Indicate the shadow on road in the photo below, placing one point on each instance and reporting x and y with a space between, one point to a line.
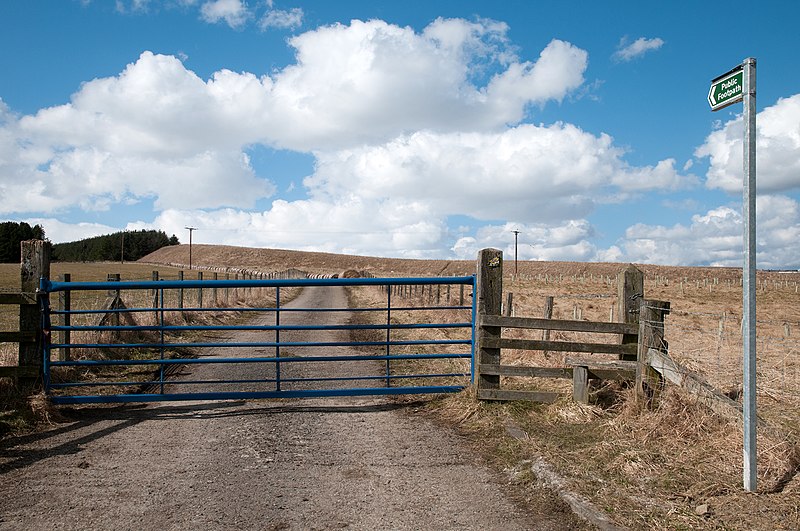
87 424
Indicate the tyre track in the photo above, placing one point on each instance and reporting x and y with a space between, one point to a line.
334 463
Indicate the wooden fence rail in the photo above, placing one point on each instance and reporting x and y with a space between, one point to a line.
35 263
633 341
631 337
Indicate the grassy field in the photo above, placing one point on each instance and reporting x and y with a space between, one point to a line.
676 466
79 271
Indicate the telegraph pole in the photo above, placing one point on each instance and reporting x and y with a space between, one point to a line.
516 256
190 229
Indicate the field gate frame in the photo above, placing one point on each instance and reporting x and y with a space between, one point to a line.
160 363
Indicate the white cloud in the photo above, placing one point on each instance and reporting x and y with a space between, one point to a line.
156 131
58 231
370 81
281 19
568 241
558 71
387 228
233 12
159 131
716 237
354 226
530 173
777 150
636 49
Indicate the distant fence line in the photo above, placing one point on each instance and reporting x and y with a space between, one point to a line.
290 273
706 342
708 283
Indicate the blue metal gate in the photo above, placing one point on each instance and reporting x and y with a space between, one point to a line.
145 346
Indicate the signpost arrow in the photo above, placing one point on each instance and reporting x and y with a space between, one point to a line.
726 89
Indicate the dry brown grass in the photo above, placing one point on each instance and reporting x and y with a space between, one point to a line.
17 413
374 297
79 271
647 468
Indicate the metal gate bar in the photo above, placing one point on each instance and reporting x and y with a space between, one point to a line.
168 339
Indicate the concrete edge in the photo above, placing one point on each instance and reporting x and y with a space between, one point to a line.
545 472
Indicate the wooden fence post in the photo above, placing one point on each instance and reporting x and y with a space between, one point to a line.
200 290
156 293
630 291
227 290
65 298
180 291
580 384
214 291
114 299
651 336
490 298
509 304
548 314
34 265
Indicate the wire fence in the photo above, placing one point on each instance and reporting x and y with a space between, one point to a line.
703 330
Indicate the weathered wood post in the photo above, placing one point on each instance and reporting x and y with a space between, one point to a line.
227 290
651 336
630 292
180 291
214 291
548 314
65 300
34 265
490 299
200 290
114 299
155 294
580 384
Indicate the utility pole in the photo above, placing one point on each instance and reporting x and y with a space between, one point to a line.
516 256
122 250
190 229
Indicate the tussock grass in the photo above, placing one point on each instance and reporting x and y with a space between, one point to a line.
646 468
676 466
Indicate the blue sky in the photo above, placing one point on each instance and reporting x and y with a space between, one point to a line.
420 130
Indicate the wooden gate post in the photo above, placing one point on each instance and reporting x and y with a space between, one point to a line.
630 292
34 265
490 299
651 336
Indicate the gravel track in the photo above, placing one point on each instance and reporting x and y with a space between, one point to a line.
333 463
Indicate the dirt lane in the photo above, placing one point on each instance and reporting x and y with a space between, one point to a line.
294 464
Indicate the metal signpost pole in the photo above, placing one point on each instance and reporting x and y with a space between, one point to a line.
749 276
739 84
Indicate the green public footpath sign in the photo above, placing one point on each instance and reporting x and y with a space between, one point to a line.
726 89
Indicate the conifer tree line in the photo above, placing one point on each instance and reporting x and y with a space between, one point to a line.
127 245
11 234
